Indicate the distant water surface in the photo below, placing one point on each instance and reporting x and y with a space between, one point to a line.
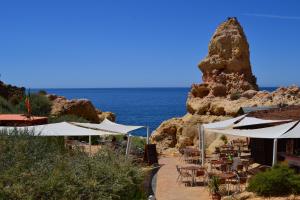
136 106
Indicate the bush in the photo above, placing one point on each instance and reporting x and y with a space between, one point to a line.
6 107
277 181
42 92
15 99
40 105
40 168
67 118
224 139
136 141
235 96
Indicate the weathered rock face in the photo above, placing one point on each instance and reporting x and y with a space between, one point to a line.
228 59
228 84
8 91
106 115
79 107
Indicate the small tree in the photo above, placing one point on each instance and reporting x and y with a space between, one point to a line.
224 139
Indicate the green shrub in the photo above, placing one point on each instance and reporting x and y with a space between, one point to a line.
40 168
136 141
224 139
6 107
40 105
67 118
235 96
15 99
42 92
277 181
139 142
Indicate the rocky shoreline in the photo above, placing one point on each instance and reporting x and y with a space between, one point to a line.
79 107
60 105
228 84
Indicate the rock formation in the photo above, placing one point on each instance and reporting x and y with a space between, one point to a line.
228 84
106 115
79 107
227 67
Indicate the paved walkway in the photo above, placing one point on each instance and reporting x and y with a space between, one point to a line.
168 189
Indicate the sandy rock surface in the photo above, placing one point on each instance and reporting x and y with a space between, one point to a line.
78 107
228 84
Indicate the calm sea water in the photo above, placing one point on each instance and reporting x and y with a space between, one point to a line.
136 106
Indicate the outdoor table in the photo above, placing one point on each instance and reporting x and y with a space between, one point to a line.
193 169
190 152
226 147
216 162
221 162
213 163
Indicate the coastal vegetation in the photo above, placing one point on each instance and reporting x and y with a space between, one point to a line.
278 181
39 105
6 107
41 168
67 118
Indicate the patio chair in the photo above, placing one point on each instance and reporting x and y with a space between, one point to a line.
183 174
239 182
222 167
202 173
181 152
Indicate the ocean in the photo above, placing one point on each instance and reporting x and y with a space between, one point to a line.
135 106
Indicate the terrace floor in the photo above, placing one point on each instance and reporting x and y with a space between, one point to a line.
168 189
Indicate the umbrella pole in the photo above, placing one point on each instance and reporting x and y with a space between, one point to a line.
148 134
202 145
128 145
274 152
90 144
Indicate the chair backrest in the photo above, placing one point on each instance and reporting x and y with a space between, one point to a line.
240 167
236 161
242 176
223 167
200 172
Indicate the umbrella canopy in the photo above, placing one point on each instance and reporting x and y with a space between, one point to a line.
269 132
252 121
56 129
110 127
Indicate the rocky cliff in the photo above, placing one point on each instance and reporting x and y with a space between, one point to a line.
228 84
78 107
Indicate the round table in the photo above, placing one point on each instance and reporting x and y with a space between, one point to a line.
225 176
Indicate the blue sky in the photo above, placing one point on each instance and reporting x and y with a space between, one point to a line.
141 43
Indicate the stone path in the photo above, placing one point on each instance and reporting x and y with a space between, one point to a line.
168 189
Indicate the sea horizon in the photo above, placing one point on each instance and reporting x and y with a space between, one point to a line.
166 87
144 106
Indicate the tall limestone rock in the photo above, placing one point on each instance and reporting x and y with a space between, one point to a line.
228 84
228 59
